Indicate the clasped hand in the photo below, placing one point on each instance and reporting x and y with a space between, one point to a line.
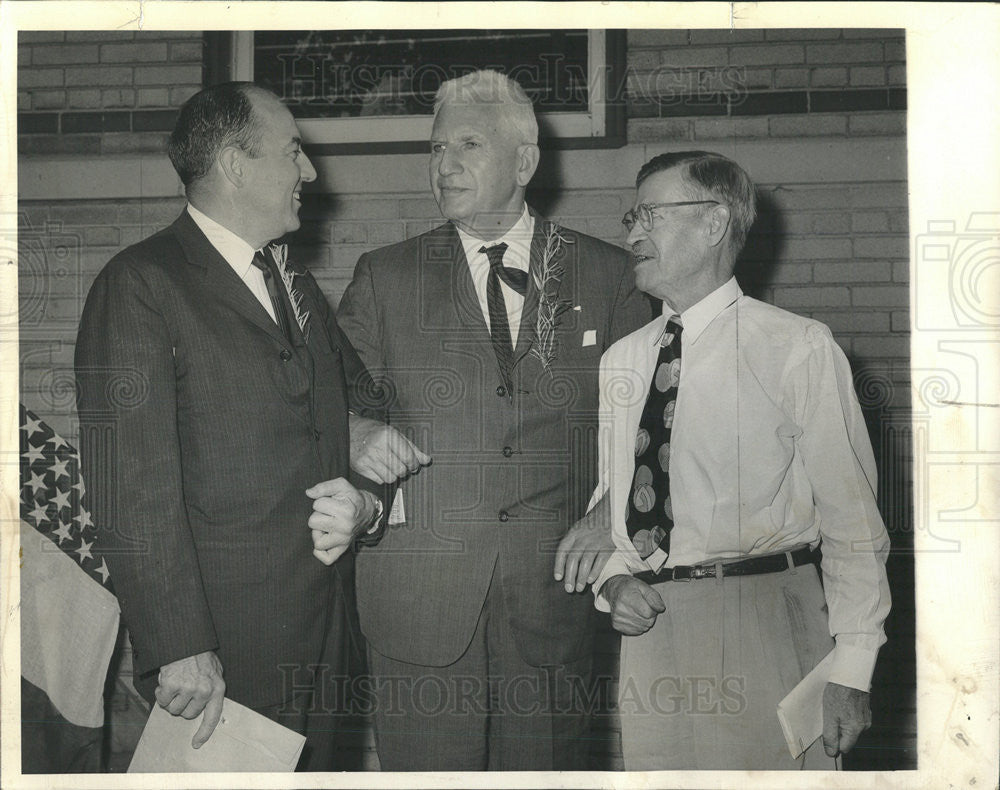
381 453
340 513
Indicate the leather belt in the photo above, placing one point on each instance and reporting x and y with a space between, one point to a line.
767 563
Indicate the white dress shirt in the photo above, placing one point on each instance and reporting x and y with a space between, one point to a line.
517 256
769 450
237 253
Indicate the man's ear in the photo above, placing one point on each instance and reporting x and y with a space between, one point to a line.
527 163
232 162
718 223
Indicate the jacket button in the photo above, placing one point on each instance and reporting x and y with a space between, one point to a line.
507 452
501 390
285 354
503 515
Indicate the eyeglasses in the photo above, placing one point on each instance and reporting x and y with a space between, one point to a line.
643 213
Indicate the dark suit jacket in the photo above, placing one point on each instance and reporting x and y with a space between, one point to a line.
509 475
201 428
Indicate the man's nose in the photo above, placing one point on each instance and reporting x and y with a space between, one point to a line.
448 164
306 170
636 234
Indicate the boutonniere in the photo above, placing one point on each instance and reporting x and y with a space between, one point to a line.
280 254
547 278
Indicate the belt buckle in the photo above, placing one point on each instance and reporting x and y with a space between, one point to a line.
681 573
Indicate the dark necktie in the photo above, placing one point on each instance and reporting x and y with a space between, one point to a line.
274 287
650 515
497 307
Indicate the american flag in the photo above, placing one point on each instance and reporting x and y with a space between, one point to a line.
52 491
69 613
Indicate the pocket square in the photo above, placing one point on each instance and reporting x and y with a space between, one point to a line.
589 338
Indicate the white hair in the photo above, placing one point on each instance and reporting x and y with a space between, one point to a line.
493 88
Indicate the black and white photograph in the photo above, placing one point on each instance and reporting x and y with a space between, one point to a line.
508 394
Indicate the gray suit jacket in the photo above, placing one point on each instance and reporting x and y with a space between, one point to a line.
510 474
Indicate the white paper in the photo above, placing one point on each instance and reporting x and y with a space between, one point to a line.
589 338
397 515
243 741
801 712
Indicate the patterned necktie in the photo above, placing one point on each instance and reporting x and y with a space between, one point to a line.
271 278
497 307
650 517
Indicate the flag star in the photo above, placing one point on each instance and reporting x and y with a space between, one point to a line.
61 499
84 519
40 513
64 533
33 454
37 481
59 468
58 441
84 550
79 486
103 570
32 427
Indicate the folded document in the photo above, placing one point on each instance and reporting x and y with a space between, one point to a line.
801 712
242 741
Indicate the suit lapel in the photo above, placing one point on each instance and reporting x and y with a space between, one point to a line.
448 299
221 282
529 311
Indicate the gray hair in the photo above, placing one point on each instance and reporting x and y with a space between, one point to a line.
721 177
493 88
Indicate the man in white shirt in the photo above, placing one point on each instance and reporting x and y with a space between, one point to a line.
214 397
732 444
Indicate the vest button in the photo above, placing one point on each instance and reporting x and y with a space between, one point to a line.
507 452
501 391
285 354
503 515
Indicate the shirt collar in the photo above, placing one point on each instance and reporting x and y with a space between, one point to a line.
517 239
697 317
235 250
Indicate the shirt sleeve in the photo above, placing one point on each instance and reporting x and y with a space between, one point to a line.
837 455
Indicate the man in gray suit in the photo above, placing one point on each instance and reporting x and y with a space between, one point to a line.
214 411
486 333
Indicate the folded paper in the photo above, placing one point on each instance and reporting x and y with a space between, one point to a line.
243 741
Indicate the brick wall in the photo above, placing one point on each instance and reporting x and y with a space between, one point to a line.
102 92
817 117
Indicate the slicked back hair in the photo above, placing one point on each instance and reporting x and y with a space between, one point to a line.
488 87
214 118
721 178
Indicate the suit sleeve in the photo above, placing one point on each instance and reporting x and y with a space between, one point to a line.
129 438
364 398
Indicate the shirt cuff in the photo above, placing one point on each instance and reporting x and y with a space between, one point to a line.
615 566
377 518
853 666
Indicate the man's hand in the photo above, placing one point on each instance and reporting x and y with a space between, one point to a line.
381 453
634 604
585 549
340 512
191 685
846 714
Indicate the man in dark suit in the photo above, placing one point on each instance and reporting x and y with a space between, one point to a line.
486 333
213 394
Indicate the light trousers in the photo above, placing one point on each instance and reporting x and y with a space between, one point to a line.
700 689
